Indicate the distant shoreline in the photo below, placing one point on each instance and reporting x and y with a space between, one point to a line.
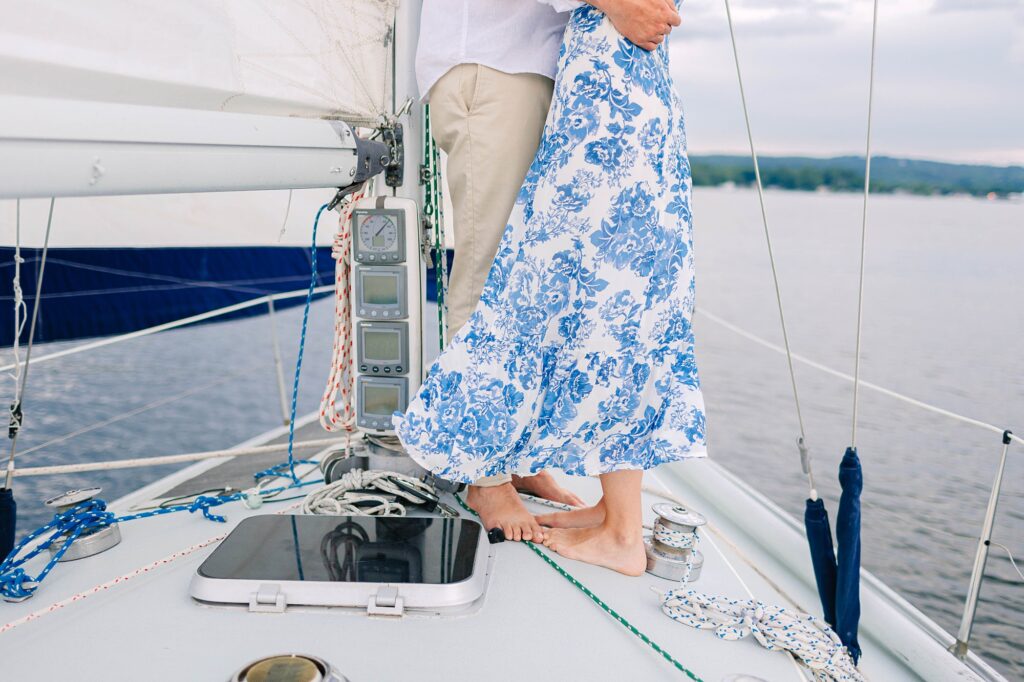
846 174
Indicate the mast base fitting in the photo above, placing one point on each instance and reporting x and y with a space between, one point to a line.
290 667
89 544
672 566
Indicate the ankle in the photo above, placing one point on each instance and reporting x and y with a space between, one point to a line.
485 491
623 534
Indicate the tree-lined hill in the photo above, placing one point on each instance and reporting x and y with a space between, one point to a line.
846 173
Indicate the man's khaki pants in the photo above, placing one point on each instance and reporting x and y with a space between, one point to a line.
489 123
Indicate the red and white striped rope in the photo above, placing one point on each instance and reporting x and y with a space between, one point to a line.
340 380
121 579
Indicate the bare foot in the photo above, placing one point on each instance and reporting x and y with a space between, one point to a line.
585 517
501 507
544 485
600 546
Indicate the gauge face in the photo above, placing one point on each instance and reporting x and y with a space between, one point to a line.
378 233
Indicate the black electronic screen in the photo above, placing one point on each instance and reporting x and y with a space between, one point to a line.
397 549
382 345
380 289
381 399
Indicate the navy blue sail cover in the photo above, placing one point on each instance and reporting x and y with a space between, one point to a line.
8 521
105 291
851 479
823 556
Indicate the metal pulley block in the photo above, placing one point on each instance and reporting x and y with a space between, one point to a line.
671 561
90 542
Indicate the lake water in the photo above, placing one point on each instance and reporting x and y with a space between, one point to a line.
943 320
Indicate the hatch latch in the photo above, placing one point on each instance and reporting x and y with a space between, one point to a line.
267 599
386 603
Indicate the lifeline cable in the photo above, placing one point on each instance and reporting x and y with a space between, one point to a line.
16 414
805 458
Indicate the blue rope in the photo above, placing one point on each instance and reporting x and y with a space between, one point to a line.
69 525
298 361
282 469
91 516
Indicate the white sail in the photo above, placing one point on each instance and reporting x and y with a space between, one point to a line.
310 58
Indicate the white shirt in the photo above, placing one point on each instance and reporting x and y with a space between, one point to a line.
514 36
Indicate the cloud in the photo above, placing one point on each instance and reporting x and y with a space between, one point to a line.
974 5
948 83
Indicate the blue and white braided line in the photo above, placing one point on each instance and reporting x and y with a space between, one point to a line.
811 640
314 273
678 540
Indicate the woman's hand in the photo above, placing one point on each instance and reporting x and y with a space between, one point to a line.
643 22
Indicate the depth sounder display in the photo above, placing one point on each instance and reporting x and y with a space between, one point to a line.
380 292
383 347
378 398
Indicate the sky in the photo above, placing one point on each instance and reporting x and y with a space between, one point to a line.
949 77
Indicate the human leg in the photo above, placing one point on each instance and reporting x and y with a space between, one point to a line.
489 125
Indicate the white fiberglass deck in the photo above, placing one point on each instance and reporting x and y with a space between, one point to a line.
126 614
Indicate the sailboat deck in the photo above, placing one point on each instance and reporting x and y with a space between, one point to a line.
126 614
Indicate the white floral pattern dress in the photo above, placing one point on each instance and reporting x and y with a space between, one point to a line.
580 354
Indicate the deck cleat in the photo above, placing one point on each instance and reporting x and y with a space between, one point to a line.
288 668
89 543
671 549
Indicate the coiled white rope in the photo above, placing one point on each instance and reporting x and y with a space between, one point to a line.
810 640
348 495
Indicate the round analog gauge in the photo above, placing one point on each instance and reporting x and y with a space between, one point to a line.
378 232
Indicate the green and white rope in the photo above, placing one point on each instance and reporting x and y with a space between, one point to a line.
601 603
433 211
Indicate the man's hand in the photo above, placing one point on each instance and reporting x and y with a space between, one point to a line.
644 22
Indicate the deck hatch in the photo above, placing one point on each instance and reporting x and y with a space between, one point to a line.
355 561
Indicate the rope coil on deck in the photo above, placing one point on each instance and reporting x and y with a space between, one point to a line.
809 639
369 493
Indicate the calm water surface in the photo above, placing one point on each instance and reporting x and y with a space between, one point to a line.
943 321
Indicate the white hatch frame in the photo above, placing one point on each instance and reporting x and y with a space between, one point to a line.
390 599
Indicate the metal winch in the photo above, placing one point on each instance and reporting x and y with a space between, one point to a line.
90 542
669 549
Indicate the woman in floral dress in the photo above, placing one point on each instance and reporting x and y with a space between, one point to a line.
580 354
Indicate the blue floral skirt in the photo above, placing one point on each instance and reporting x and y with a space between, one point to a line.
580 353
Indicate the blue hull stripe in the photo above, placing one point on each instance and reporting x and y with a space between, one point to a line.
104 291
